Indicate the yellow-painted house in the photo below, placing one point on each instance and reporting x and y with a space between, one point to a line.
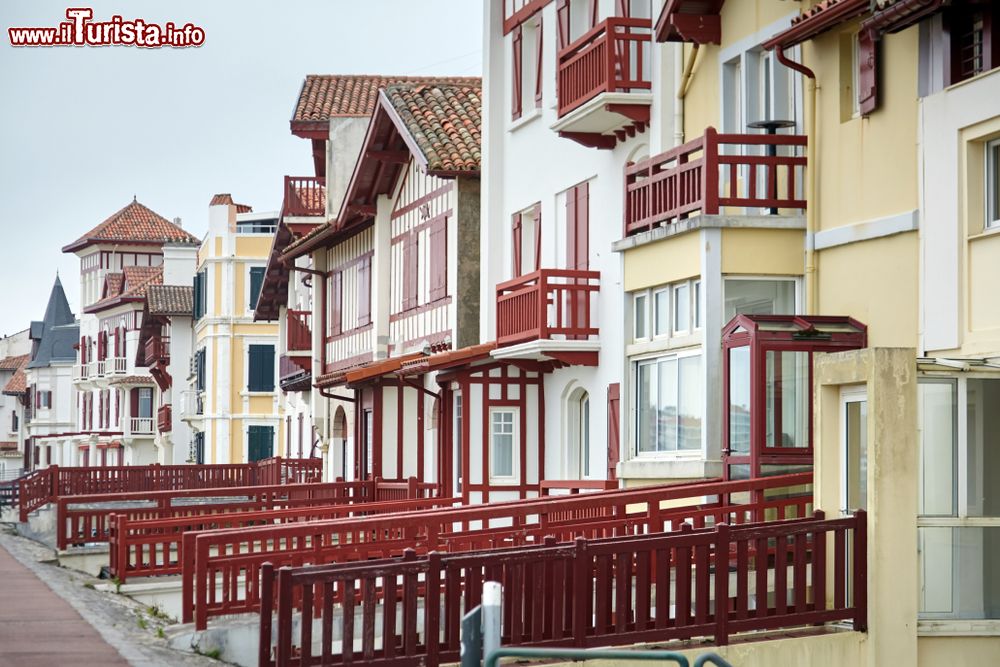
233 401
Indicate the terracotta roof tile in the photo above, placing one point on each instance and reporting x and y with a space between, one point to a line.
170 299
133 224
14 363
324 96
135 280
18 384
134 379
226 198
444 121
305 239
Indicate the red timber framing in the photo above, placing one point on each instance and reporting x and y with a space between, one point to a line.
516 12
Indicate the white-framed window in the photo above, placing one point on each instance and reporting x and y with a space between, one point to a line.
756 87
661 312
640 316
855 76
758 296
504 444
696 304
992 187
668 404
958 527
682 309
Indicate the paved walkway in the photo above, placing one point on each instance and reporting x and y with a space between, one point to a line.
37 627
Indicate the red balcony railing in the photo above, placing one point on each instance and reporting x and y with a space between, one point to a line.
305 196
299 330
611 57
164 418
157 349
545 304
713 172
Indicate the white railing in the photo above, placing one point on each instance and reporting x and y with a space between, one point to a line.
81 372
118 365
141 425
193 403
100 367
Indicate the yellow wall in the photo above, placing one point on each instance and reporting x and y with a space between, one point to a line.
665 261
763 251
934 651
875 282
257 246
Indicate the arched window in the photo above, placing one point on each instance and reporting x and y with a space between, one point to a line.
578 455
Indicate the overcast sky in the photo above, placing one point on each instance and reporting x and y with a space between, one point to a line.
83 129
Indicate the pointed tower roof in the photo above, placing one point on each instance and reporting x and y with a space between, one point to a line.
56 333
133 224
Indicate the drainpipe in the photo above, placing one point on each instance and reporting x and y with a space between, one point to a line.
812 289
679 102
688 69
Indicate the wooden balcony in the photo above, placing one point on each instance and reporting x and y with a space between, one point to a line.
157 350
305 197
548 305
604 83
716 173
294 373
164 418
298 328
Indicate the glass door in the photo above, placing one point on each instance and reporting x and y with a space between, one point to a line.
854 443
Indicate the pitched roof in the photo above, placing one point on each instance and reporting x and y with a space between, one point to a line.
130 287
325 96
134 380
226 198
170 299
444 121
56 333
133 224
18 383
13 363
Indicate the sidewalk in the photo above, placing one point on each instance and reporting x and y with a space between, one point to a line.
37 627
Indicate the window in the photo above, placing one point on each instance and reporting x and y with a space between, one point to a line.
438 237
365 291
526 63
661 312
850 76
527 241
682 309
993 183
585 435
786 400
959 498
13 421
200 294
697 304
668 404
199 370
260 374
739 400
640 315
410 271
44 399
755 297
199 447
145 403
260 442
334 295
257 226
503 443
256 282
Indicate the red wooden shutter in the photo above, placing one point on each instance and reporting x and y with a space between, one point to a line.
134 403
593 13
118 407
538 63
614 428
516 79
100 409
622 8
336 312
410 271
538 236
516 253
867 78
38 397
577 217
439 260
107 408
562 23
365 292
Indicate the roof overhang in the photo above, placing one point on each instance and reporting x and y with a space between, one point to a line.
890 17
695 21
817 20
274 290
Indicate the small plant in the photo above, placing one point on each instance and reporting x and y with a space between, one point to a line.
142 623
156 612
88 585
118 585
160 633
212 653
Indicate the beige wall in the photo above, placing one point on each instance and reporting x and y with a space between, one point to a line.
763 251
668 260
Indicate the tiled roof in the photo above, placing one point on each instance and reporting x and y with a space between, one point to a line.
311 198
324 96
226 198
170 299
133 224
8 445
292 247
134 379
13 363
444 121
132 286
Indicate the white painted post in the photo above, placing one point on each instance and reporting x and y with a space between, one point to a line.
491 617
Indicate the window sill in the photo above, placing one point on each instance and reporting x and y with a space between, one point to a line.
669 466
958 628
664 345
251 394
987 232
525 119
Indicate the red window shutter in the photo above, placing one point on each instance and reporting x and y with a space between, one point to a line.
538 236
622 8
516 79
439 260
83 350
593 13
100 409
336 312
118 407
410 271
107 408
867 78
538 63
516 251
38 398
365 292
614 428
562 23
134 402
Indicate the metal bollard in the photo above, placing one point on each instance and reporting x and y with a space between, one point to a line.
491 616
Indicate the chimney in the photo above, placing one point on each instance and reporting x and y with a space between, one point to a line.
177 221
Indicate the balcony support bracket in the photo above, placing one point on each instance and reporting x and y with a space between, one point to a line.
591 139
580 358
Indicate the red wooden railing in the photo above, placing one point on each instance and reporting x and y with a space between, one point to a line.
157 349
165 418
586 593
299 330
546 304
223 576
305 196
711 173
154 546
611 57
41 487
